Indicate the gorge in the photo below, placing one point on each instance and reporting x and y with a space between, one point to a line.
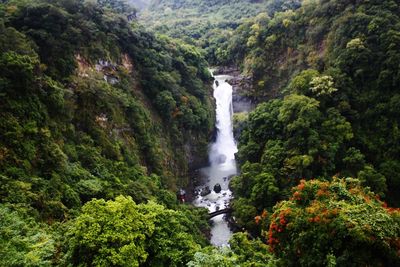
106 109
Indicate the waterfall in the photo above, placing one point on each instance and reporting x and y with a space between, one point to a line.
224 149
222 162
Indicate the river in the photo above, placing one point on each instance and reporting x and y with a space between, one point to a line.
222 162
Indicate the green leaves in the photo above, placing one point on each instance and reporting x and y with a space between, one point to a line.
334 222
166 104
123 233
298 113
373 179
18 70
344 56
110 233
322 85
295 137
301 83
243 251
208 25
87 111
286 140
24 242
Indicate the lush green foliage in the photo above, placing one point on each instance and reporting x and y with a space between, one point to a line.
122 233
99 120
331 68
81 108
207 24
242 252
289 139
23 241
334 224
337 223
337 115
82 116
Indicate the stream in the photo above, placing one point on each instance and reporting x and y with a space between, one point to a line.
222 163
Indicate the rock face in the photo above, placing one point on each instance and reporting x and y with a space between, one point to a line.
205 191
195 152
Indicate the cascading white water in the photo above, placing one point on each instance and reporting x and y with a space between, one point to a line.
224 149
222 162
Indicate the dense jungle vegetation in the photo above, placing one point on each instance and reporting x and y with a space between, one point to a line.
207 24
101 118
326 76
93 106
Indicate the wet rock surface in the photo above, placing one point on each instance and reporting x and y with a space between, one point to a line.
217 189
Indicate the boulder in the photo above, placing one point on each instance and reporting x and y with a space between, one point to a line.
205 191
217 188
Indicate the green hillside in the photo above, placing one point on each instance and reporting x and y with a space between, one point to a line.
91 107
106 109
326 77
206 24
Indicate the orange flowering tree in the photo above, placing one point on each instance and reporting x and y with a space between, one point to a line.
336 223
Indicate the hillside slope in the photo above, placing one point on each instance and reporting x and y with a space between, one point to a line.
327 79
84 95
207 24
100 119
92 107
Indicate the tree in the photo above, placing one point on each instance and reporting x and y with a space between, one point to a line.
373 179
166 104
110 233
322 85
334 223
122 233
24 242
301 83
243 251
